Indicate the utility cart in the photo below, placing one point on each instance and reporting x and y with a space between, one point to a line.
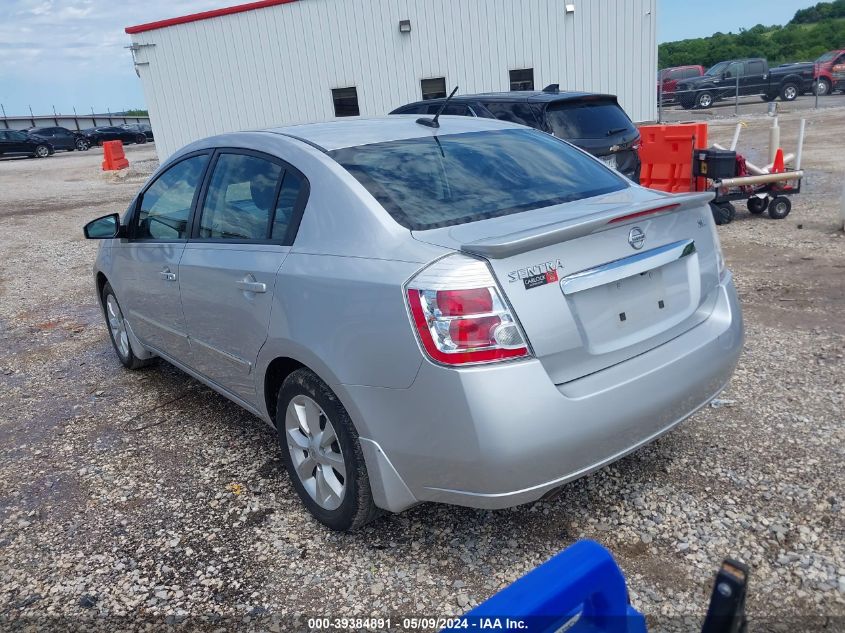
729 179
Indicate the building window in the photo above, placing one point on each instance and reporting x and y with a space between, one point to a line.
433 88
522 79
345 101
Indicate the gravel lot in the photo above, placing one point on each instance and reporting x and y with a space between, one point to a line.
146 496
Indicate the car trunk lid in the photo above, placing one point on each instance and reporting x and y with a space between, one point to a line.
598 281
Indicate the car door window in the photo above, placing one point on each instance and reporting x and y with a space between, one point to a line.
240 199
166 205
285 217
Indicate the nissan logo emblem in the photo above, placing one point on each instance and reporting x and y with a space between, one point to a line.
636 238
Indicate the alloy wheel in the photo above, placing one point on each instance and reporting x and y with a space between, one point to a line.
790 93
42 151
117 326
315 452
705 101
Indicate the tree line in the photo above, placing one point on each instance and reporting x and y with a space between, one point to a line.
810 33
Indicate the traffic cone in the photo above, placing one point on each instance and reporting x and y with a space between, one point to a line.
777 165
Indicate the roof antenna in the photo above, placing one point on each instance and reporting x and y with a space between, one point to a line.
433 122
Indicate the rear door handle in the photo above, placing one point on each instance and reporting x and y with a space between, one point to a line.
248 284
167 275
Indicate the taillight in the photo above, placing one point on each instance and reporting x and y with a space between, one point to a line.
460 315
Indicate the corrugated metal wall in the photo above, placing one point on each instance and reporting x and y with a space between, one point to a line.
277 65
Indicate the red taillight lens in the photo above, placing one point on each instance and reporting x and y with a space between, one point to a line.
474 332
460 302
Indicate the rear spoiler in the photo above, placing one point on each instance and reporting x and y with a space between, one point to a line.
556 232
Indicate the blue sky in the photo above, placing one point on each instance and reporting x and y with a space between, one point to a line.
70 53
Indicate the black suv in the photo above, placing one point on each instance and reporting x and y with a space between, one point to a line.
19 143
61 138
594 122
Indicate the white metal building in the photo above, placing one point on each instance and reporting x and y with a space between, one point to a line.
277 62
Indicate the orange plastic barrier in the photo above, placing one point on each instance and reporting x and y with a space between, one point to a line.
113 156
666 155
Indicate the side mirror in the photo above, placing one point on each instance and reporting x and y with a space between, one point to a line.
104 228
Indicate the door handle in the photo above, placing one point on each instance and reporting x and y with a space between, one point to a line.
167 275
248 284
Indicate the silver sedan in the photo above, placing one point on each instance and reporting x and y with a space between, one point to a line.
472 312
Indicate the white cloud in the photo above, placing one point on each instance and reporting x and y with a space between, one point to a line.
72 52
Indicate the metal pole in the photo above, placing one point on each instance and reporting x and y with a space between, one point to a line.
660 102
800 150
816 85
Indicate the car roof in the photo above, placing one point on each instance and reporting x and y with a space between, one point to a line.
351 132
521 96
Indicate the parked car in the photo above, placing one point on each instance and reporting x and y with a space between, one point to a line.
754 78
61 138
475 313
19 143
668 78
98 135
825 71
143 128
593 122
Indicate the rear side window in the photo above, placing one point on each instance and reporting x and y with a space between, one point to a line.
521 113
166 204
435 181
755 68
240 199
587 119
690 72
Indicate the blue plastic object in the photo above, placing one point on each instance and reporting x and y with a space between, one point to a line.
581 590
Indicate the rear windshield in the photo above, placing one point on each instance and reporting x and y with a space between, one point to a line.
588 119
426 183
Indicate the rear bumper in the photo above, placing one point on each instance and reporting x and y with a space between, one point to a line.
498 436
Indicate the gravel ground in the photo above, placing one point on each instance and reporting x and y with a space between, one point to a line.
146 497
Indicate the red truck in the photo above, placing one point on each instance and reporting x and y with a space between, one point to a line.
668 78
824 69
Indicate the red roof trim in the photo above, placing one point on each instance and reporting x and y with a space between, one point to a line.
205 15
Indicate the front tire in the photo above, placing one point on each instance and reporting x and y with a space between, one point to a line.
42 151
704 100
322 454
722 213
140 139
789 92
82 145
822 87
118 331
779 208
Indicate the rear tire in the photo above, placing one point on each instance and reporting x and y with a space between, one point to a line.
140 139
308 414
779 208
757 205
118 331
82 145
789 92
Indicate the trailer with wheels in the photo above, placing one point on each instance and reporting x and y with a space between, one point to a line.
730 182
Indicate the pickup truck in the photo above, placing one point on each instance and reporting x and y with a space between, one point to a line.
754 78
826 65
